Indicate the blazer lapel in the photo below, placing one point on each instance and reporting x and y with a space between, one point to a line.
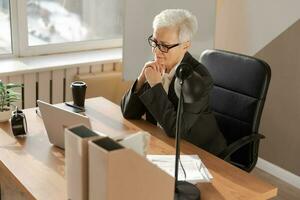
171 94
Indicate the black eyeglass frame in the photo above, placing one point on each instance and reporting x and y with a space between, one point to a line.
168 47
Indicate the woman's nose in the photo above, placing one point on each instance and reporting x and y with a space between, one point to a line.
156 51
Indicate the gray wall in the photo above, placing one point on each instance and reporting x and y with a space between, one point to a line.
281 117
139 15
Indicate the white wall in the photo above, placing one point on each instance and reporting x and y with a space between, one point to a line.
249 25
139 15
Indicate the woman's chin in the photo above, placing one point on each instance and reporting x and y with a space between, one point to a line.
161 61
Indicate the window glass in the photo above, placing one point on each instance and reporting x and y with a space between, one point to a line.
60 21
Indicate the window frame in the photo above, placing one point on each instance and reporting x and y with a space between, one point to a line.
20 46
9 55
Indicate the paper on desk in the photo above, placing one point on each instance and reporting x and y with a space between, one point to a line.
193 166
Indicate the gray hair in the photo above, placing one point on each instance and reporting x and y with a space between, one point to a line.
183 20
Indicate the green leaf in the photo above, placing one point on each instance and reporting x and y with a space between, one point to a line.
11 99
14 97
11 92
8 95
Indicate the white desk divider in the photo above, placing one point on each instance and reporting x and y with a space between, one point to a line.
76 159
118 173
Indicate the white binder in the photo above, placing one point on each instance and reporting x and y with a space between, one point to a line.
118 173
76 159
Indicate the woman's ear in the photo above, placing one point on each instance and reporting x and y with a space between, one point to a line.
186 45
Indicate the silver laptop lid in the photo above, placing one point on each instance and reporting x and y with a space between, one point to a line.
57 119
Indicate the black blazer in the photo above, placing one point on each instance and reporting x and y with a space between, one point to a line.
199 125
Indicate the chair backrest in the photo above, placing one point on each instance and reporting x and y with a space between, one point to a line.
237 98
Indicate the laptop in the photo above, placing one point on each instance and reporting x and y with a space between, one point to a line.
56 119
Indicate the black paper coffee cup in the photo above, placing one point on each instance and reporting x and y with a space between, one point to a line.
78 92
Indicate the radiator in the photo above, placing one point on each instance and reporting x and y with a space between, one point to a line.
53 86
106 84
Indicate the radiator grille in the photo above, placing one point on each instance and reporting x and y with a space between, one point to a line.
52 86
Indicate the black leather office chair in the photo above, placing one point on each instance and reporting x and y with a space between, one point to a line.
237 99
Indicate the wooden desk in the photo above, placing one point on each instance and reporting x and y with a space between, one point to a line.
31 168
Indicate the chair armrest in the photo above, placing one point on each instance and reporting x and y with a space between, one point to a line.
225 155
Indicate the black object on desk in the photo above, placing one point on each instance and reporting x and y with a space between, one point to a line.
78 92
18 123
78 108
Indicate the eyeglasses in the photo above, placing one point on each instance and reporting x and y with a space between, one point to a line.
162 47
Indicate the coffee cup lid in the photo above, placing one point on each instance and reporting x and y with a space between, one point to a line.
78 84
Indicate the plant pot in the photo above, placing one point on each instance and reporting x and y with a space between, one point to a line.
5 115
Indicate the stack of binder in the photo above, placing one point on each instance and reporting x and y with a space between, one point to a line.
99 168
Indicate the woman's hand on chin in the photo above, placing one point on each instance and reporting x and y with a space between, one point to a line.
154 72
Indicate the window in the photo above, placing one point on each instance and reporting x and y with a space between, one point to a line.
5 34
54 26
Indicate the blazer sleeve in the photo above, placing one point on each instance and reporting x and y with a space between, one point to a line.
131 105
157 102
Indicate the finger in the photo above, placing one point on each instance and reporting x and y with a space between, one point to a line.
154 66
147 72
158 66
151 70
148 64
162 67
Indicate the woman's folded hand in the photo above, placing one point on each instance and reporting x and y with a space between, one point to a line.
154 72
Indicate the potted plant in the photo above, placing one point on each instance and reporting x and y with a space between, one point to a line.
7 97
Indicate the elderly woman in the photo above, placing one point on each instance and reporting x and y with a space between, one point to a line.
153 92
